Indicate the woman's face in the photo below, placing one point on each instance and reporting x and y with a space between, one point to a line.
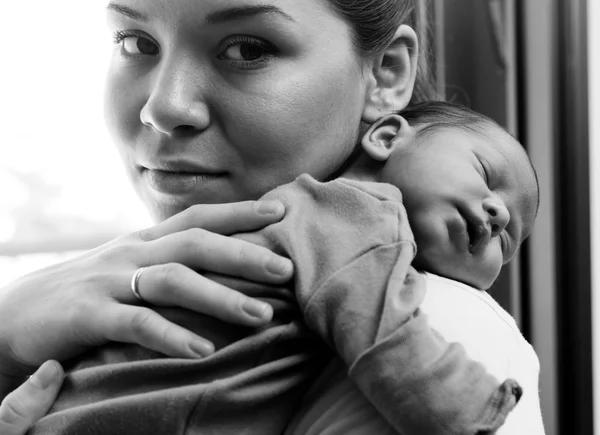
217 101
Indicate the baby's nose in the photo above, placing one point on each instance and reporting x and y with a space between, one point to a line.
498 214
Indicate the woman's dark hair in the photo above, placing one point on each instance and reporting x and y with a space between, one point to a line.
375 22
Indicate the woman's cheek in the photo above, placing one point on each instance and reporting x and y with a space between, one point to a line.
122 107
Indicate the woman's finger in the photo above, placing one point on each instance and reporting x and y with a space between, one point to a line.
203 250
223 219
32 400
176 285
141 325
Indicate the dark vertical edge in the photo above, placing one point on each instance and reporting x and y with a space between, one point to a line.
516 285
539 108
439 51
521 132
574 312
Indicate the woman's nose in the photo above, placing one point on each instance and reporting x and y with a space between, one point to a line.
175 103
497 214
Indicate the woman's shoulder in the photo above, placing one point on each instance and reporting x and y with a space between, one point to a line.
473 318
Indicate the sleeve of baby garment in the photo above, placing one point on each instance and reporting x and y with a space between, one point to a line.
352 249
526 419
490 336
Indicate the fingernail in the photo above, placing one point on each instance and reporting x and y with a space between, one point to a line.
279 266
269 207
46 375
202 348
256 309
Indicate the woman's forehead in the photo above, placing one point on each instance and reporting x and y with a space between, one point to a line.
221 11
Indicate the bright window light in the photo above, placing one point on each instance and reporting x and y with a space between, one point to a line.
61 178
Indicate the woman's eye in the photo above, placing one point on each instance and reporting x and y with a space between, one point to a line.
246 52
136 45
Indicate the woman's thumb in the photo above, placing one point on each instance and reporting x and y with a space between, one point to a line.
32 400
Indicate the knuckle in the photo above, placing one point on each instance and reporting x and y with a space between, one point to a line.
145 235
140 321
196 214
81 315
78 312
244 255
123 249
194 236
128 238
232 302
12 411
165 335
194 241
170 274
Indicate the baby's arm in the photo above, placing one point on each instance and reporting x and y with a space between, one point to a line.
352 249
418 381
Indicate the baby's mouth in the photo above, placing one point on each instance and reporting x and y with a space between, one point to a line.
479 234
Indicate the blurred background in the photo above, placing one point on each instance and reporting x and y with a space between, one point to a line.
63 189
533 65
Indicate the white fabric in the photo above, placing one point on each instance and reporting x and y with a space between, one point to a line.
491 336
461 314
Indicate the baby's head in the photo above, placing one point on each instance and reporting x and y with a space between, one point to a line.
469 188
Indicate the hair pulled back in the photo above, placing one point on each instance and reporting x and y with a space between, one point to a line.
375 22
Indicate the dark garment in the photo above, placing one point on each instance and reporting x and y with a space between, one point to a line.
354 288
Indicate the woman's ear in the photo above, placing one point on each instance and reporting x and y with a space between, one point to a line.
386 135
391 76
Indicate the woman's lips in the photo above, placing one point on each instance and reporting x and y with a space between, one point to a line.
177 183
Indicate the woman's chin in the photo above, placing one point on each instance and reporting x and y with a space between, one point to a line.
162 203
163 206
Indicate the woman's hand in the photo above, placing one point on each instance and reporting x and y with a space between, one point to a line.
32 400
58 312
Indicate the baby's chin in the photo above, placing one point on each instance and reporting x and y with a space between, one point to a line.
450 270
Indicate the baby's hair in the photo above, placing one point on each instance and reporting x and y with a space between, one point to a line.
435 116
438 115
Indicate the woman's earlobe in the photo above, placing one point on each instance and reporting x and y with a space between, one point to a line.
392 76
385 135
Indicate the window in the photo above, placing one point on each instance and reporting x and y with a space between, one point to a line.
62 186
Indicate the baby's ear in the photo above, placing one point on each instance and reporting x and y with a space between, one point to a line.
387 134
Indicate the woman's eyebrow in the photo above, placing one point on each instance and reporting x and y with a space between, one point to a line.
237 13
127 11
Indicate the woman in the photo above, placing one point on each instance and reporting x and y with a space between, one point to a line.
211 102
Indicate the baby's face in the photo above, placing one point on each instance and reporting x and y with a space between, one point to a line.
471 200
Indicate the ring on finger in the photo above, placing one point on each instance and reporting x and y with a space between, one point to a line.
135 283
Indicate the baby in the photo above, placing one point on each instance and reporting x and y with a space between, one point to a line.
470 194
469 188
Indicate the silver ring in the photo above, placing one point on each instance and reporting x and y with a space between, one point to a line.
135 280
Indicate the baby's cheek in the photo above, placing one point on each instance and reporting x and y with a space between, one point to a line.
492 263
430 231
434 254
